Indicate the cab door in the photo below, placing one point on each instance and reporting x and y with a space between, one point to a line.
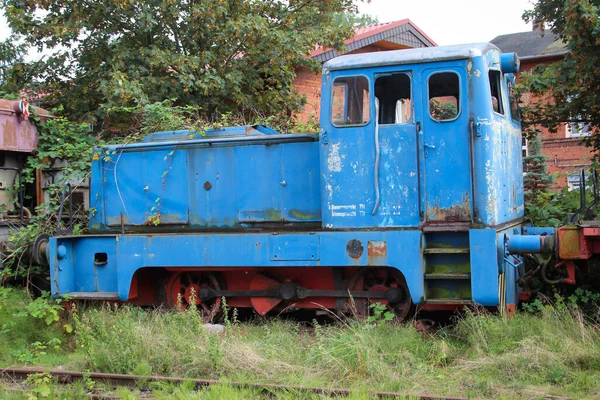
368 148
445 145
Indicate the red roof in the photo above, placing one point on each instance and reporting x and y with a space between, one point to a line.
371 30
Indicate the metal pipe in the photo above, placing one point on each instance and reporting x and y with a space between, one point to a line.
574 217
377 158
589 212
530 244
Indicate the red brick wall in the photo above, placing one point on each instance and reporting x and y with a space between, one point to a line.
309 85
566 156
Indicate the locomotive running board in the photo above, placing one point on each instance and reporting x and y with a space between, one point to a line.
91 296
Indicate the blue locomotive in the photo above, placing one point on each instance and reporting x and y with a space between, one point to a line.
410 194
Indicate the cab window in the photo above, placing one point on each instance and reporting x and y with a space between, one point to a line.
444 96
392 99
496 91
350 101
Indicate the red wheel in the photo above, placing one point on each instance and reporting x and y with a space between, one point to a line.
388 280
184 287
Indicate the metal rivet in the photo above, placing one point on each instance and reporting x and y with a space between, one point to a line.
207 185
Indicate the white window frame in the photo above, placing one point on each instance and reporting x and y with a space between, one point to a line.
578 129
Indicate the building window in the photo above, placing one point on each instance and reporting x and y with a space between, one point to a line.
524 146
444 96
392 96
578 129
350 101
574 181
496 91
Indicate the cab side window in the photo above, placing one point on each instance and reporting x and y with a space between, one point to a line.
350 101
496 91
393 99
444 96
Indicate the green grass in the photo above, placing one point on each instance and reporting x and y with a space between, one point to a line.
25 339
529 356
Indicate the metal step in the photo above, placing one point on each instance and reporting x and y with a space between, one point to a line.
449 301
448 276
446 250
92 295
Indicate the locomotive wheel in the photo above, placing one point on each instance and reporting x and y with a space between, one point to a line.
388 280
180 286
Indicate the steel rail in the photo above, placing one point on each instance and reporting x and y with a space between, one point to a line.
119 380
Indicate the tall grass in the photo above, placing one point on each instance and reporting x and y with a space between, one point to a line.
555 353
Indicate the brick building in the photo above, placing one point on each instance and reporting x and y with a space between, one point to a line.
395 35
566 154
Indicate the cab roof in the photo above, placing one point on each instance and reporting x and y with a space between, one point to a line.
408 56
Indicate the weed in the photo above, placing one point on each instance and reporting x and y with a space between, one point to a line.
380 314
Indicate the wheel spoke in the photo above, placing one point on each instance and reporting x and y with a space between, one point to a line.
182 284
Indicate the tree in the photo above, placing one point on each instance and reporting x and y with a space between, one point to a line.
573 84
537 179
355 20
220 54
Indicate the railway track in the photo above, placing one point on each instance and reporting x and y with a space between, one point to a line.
14 375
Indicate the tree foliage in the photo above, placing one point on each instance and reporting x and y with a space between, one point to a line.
537 179
220 55
573 84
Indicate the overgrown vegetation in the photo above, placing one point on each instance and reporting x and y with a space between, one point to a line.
552 208
572 83
64 140
554 350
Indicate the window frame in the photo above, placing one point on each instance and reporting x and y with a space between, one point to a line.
371 99
459 100
581 126
501 97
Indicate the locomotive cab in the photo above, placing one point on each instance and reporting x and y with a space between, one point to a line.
420 137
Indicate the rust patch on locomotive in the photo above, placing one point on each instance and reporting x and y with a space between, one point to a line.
455 213
378 248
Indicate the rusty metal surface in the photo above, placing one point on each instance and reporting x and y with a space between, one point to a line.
17 133
572 244
67 377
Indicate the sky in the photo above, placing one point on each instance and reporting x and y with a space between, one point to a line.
454 21
444 21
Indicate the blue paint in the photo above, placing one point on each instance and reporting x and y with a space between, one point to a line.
524 244
484 266
449 181
509 62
